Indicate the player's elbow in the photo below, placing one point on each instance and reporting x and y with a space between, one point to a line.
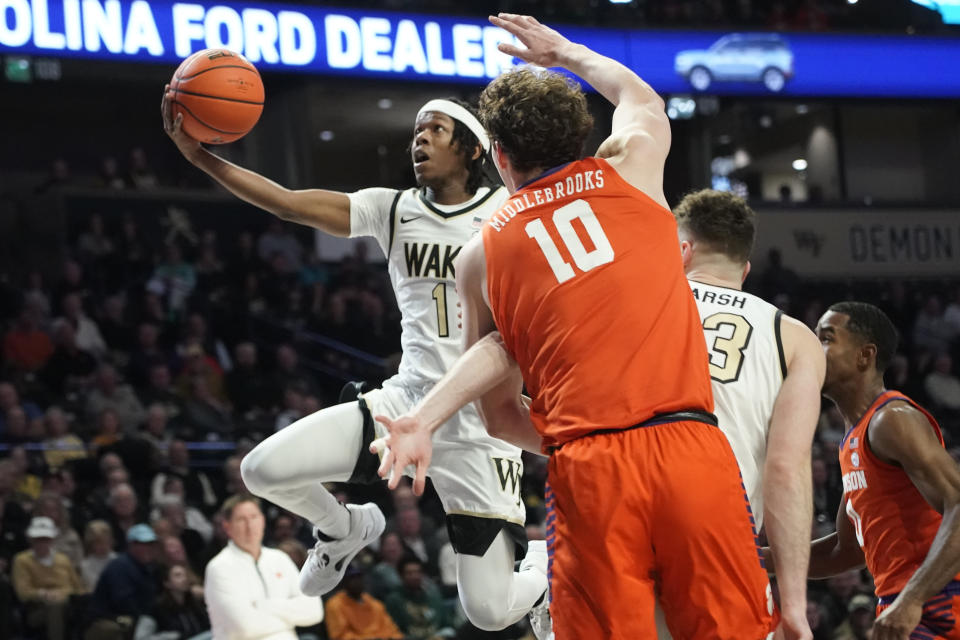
788 466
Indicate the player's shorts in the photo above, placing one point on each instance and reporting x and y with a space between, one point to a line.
940 614
647 511
477 477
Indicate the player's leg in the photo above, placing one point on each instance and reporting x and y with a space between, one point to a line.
601 561
493 595
290 467
479 486
712 580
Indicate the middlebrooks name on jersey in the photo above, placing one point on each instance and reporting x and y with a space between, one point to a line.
425 260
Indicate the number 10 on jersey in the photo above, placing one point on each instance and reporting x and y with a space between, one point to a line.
563 218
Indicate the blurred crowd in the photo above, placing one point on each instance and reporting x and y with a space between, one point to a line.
139 369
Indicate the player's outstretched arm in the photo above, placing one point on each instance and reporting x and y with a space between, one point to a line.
901 435
640 135
787 485
328 211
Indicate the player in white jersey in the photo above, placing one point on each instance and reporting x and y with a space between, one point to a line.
476 477
767 369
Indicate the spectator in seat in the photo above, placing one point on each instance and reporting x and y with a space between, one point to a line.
60 446
942 386
26 348
861 612
385 575
204 413
160 390
98 542
88 335
67 541
108 430
13 517
110 394
178 613
196 485
124 510
70 368
417 606
126 589
146 353
247 388
242 605
10 400
931 331
355 615
44 580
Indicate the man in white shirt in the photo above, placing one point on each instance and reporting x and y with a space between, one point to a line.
252 592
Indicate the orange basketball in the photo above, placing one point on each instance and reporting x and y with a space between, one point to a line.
220 95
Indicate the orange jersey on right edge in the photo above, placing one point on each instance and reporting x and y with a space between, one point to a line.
894 524
587 288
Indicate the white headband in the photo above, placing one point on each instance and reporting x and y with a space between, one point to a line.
460 114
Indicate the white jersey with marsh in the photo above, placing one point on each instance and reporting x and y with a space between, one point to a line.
747 368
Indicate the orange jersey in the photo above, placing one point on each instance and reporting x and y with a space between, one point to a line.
894 524
587 288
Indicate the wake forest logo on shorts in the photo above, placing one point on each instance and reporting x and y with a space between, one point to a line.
509 473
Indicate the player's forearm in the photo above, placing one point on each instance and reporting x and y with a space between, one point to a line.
477 371
942 563
610 78
324 210
829 558
788 513
508 418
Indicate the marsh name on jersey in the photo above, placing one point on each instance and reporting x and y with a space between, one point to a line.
572 185
425 260
724 298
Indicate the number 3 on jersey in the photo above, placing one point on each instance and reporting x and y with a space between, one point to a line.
730 335
563 218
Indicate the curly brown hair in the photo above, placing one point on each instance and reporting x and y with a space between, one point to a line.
720 220
539 117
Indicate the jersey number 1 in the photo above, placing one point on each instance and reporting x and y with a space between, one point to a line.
440 298
563 218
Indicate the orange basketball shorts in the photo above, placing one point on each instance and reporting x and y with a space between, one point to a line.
650 511
941 614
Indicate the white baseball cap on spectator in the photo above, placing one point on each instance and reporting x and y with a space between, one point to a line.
42 527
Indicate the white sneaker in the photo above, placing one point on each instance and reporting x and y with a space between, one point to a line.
327 561
536 560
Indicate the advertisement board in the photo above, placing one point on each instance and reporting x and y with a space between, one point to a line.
874 243
324 40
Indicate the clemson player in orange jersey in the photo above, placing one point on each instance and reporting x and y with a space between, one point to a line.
901 503
579 273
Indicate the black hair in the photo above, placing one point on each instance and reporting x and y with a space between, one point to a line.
407 560
466 142
873 326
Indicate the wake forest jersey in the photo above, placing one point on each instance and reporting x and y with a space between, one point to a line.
421 240
747 368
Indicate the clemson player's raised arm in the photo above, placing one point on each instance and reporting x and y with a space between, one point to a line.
640 136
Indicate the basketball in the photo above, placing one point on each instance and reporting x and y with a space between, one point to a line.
220 95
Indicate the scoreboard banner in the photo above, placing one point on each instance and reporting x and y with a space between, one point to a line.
331 41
